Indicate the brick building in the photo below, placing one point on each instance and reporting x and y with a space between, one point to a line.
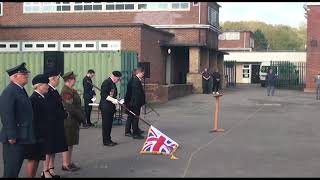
178 39
313 44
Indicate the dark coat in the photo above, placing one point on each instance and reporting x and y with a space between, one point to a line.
271 79
128 95
107 86
40 118
56 141
88 91
216 77
16 115
138 97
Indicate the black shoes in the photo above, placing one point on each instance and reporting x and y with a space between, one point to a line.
138 136
129 134
71 167
111 143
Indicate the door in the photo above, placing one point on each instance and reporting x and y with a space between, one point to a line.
168 69
255 78
246 73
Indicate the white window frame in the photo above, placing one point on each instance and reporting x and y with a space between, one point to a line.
83 48
232 35
41 8
35 48
88 4
7 48
1 8
115 45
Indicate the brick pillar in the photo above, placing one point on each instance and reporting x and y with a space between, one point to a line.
220 64
194 76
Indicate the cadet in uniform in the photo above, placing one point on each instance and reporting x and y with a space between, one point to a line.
16 117
35 152
107 106
56 141
72 104
88 94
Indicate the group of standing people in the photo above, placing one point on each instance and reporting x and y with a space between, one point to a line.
38 127
134 100
216 81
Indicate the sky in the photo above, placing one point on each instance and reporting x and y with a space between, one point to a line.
286 13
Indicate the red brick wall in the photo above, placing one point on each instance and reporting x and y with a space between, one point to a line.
152 52
313 53
236 43
13 14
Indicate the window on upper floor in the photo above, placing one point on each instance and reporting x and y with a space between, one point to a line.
1 8
232 35
47 7
87 6
213 16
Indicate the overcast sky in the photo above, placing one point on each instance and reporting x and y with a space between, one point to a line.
287 13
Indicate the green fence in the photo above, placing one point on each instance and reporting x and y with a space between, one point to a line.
290 75
103 63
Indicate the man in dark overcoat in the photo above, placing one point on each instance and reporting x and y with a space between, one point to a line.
16 117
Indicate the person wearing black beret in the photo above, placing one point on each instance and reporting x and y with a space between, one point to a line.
56 141
36 152
16 117
107 106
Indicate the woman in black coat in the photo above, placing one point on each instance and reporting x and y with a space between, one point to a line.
35 152
55 139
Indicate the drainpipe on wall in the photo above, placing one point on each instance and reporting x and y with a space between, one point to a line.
199 12
244 41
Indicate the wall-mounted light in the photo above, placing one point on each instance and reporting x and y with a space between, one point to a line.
169 51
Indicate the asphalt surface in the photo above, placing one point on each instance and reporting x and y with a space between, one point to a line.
264 137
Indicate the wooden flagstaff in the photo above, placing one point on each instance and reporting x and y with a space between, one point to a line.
216 114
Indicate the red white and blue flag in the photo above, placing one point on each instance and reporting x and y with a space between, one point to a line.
159 143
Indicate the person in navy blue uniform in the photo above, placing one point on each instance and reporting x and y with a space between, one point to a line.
136 101
107 106
16 117
55 140
35 152
88 94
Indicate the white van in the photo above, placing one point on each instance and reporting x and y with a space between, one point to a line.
263 72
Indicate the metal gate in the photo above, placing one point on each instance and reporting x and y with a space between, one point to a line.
290 75
229 71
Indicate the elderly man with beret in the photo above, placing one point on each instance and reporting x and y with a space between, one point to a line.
16 117
107 106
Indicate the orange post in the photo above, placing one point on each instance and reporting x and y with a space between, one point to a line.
216 115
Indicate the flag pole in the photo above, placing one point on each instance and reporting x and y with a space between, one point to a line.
124 107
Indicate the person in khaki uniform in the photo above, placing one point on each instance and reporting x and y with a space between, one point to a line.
72 103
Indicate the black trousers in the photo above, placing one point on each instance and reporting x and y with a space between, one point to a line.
87 109
133 121
107 119
13 155
215 86
206 88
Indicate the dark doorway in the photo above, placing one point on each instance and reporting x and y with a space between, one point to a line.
255 78
180 64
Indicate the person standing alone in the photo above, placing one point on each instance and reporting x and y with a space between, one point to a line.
89 95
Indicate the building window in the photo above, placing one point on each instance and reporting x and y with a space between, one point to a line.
110 45
51 45
156 6
9 46
63 6
246 71
13 46
113 6
232 35
222 36
87 6
1 8
213 17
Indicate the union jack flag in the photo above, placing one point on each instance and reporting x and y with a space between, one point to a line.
158 143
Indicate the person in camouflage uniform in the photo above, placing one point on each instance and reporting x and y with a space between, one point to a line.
72 104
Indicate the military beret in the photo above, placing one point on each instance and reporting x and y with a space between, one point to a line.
40 78
68 75
18 69
52 73
117 73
